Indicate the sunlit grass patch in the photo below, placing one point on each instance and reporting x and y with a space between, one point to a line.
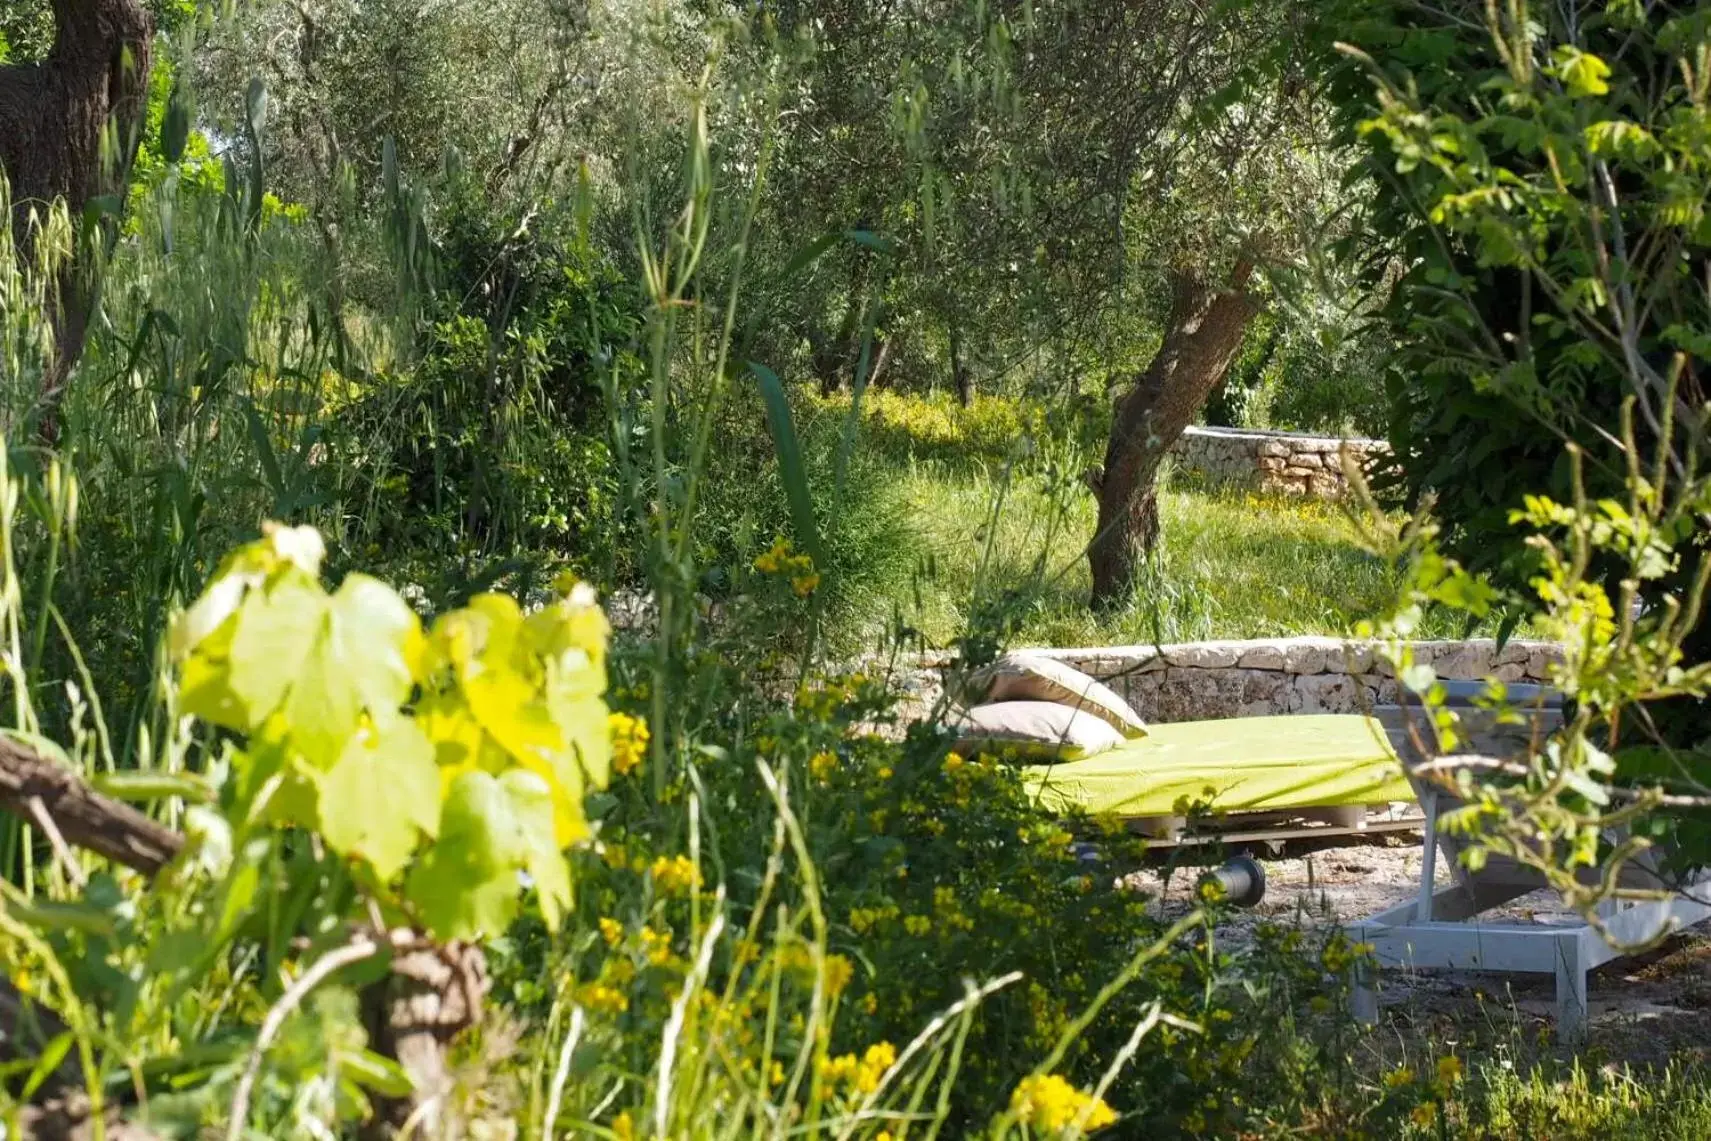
1232 564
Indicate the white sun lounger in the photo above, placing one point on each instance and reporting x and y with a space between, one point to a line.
1443 929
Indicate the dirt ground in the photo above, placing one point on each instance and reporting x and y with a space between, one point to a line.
1647 1009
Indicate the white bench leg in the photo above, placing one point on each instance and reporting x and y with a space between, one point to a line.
1571 990
1363 1002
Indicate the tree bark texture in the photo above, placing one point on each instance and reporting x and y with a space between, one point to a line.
1202 336
69 128
960 378
84 817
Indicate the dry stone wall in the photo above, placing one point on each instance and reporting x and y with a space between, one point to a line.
1270 461
1196 681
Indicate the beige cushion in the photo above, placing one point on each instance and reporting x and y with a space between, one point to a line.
1036 729
1021 676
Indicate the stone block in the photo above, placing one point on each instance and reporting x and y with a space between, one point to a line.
1198 695
1262 656
1327 693
1541 656
1306 655
1306 460
1462 661
1203 655
1513 652
1264 693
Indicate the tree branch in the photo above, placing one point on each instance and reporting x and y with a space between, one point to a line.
83 816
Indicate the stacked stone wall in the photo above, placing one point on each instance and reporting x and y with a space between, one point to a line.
1197 681
1271 461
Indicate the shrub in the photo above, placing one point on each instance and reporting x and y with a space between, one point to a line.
990 430
933 869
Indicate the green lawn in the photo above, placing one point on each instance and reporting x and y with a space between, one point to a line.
1231 565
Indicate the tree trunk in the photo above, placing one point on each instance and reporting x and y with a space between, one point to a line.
1203 335
960 377
69 128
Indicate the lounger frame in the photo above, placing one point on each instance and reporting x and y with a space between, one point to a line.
1443 929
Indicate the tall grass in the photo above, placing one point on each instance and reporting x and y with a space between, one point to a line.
1231 564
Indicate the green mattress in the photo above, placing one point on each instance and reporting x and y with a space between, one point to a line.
1246 764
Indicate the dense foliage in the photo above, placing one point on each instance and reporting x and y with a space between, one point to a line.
687 366
1547 182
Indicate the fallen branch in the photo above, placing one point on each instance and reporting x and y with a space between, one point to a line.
84 818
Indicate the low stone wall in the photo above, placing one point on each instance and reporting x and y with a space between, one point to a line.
1270 461
1208 680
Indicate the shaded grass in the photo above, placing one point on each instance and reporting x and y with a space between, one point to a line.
1230 565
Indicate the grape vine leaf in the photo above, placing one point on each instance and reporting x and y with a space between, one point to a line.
466 885
532 803
382 792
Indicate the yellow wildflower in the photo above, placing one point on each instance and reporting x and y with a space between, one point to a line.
623 1126
821 766
1398 1077
953 762
917 924
677 875
836 1071
870 1003
1449 1070
839 971
880 1057
1050 1104
612 931
775 1075
1424 1114
657 945
602 999
629 737
805 584
885 772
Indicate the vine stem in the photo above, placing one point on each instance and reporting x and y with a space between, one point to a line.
352 952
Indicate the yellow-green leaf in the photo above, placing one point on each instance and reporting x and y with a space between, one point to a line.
1582 73
466 885
532 804
277 628
380 795
382 639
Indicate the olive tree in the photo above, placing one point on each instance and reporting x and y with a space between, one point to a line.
69 130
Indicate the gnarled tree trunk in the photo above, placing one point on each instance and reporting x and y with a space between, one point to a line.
69 128
1206 324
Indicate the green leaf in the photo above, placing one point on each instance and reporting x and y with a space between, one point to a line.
380 1074
51 1056
382 792
466 885
381 639
1582 73
263 446
137 785
277 628
1419 678
532 804
175 124
326 702
790 465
